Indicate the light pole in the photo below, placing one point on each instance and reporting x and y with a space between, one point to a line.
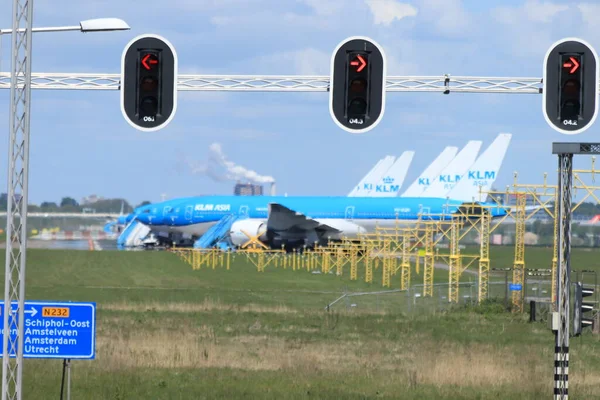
18 176
90 25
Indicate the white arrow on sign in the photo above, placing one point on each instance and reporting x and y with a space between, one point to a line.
33 311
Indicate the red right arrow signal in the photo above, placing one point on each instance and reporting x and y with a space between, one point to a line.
146 61
361 63
574 64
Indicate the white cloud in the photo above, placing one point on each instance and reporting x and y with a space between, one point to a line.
589 15
308 61
532 11
589 12
327 7
528 29
448 16
543 11
386 11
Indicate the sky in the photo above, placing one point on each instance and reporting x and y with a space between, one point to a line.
81 144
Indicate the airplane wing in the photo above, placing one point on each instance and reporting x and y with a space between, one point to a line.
283 219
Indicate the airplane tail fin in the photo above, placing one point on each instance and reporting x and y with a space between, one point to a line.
367 183
433 170
391 182
450 175
482 173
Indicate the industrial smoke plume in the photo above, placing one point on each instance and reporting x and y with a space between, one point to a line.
217 160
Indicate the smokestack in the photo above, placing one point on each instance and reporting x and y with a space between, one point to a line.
273 188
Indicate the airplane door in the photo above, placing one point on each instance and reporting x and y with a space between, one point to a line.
166 216
189 210
243 212
350 212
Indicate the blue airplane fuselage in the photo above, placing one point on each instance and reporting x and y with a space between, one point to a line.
194 215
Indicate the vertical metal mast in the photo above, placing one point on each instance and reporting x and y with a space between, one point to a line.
18 175
561 349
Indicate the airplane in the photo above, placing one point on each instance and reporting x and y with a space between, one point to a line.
439 186
431 172
380 182
164 221
295 221
374 175
130 234
480 176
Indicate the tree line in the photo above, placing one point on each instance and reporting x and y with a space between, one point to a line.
69 204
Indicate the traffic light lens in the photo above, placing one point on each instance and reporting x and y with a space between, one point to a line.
358 85
149 106
149 84
572 87
357 107
570 110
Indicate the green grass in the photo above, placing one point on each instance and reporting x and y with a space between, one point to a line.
165 331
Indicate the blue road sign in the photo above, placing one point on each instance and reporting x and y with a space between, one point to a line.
515 286
55 330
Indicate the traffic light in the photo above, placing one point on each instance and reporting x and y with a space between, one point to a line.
570 86
579 322
357 84
149 82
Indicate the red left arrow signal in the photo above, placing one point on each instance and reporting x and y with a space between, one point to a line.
574 65
147 61
361 63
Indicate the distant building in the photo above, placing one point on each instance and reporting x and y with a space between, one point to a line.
247 189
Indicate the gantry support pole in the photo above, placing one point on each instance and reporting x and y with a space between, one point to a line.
561 348
18 195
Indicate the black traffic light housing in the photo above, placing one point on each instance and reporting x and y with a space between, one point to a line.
570 86
579 321
357 84
149 82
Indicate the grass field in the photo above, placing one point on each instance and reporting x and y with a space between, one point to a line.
165 331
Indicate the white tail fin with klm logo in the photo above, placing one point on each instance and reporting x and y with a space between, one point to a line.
432 171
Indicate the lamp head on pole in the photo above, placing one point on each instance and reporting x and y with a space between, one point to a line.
103 24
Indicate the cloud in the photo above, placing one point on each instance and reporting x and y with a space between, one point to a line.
528 30
532 11
543 11
589 12
589 15
308 61
326 8
449 17
386 11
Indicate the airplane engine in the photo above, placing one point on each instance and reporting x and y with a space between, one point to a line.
242 231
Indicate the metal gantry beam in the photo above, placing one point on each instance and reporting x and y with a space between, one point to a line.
18 175
287 83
